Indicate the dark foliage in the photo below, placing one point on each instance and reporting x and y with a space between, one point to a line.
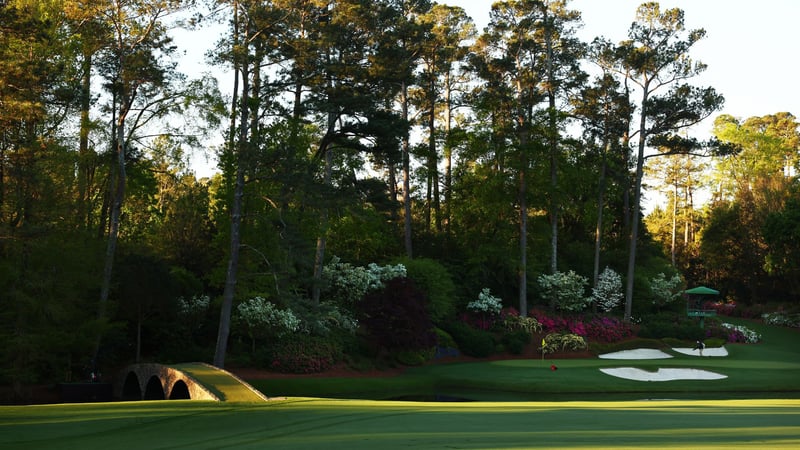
304 354
395 318
471 341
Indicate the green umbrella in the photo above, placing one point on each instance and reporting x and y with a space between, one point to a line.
694 308
701 290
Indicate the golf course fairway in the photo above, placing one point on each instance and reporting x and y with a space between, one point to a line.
303 423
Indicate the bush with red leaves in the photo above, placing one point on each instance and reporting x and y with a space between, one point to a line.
394 318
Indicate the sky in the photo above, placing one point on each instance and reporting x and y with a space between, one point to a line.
749 48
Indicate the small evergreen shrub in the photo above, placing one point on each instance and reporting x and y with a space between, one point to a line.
432 278
414 357
515 341
471 341
443 339
676 326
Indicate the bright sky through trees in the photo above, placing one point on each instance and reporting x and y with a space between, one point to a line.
749 46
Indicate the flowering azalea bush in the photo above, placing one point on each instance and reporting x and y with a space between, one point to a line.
594 328
782 319
607 295
608 329
567 289
740 333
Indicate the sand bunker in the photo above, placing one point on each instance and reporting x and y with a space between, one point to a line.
632 373
715 351
642 353
649 353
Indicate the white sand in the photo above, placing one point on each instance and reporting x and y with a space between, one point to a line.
642 353
649 353
632 373
715 351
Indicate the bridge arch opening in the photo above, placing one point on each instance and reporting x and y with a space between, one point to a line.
131 389
154 389
180 391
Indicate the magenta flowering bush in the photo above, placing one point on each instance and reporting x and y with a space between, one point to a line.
608 329
596 328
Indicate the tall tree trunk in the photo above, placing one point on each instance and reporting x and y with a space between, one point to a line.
598 231
448 154
553 141
637 194
322 240
433 159
406 178
673 241
231 274
523 240
83 139
118 194
327 151
392 175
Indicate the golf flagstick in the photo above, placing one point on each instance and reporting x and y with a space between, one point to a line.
543 346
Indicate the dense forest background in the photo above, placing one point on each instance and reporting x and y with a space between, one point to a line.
358 132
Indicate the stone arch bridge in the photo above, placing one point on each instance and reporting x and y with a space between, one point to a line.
192 381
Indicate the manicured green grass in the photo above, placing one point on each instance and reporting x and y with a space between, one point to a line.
769 369
360 424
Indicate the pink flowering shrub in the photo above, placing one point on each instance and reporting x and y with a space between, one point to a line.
479 321
608 329
596 328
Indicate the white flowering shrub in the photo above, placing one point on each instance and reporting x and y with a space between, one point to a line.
567 289
346 284
198 304
607 295
326 318
260 317
665 291
740 333
192 312
782 319
486 303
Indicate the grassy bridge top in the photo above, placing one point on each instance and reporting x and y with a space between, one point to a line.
226 386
